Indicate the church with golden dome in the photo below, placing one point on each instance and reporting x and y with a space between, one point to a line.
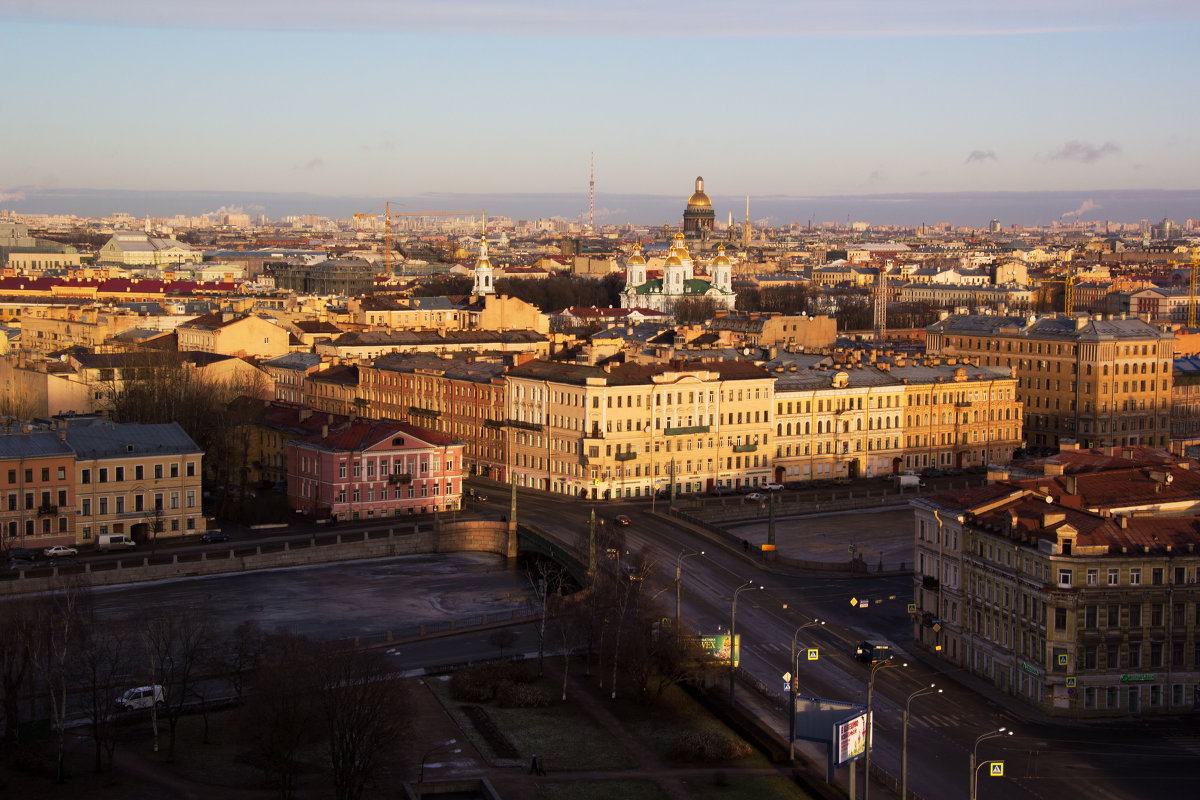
678 280
699 217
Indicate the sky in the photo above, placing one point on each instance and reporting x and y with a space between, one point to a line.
795 98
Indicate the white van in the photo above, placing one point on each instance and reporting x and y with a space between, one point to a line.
113 541
141 697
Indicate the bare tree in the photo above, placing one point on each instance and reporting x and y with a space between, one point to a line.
363 708
17 631
242 653
56 637
502 639
102 655
279 720
547 579
176 644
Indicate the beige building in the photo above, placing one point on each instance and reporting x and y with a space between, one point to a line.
234 335
629 429
1097 380
134 249
776 330
1078 611
139 480
37 263
852 418
50 328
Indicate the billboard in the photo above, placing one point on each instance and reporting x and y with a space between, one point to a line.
717 647
850 738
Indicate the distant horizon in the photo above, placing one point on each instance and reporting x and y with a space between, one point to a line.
911 209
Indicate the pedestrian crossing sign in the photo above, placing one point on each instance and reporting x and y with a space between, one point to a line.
996 769
812 654
1062 659
912 608
1071 682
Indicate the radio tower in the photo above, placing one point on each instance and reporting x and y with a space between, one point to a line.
592 194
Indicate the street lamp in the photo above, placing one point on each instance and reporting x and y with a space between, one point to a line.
792 684
679 582
733 631
876 668
983 737
925 690
431 751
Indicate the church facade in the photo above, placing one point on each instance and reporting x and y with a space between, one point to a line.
699 217
678 281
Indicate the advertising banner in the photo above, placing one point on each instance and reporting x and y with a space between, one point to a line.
717 647
850 739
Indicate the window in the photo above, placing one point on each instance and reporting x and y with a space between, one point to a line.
1064 577
1114 616
120 474
174 470
158 471
1114 576
1093 577
191 469
1135 615
103 475
1135 576
1060 619
85 476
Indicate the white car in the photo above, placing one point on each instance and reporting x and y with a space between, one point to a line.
756 496
774 487
59 551
141 697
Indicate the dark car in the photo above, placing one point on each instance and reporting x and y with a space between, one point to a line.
871 653
21 553
22 563
932 472
621 519
214 536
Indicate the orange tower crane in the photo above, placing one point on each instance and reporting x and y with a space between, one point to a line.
388 216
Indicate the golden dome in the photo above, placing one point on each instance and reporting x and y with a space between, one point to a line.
636 258
673 261
699 199
721 258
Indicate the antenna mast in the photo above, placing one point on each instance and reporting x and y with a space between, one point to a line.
592 194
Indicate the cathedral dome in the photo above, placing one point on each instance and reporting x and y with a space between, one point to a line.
698 217
673 261
637 258
721 258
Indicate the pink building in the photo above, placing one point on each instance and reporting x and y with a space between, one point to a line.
367 469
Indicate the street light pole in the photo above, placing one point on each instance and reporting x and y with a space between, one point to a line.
792 686
876 668
930 689
974 769
679 582
733 632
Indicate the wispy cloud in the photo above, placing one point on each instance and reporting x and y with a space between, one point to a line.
11 196
1084 152
979 156
877 177
313 163
754 18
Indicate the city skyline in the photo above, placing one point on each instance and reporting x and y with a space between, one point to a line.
798 100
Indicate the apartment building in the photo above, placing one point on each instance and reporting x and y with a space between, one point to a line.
38 469
139 480
856 418
627 430
459 397
1093 379
1061 598
365 469
287 374
235 335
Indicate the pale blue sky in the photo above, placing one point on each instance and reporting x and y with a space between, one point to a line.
371 97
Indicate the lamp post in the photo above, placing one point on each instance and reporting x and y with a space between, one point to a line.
930 689
792 684
431 751
679 582
974 768
733 632
512 481
875 669
672 483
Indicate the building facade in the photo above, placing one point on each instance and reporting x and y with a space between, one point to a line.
1096 380
38 507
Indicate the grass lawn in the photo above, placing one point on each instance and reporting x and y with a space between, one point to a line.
747 787
564 736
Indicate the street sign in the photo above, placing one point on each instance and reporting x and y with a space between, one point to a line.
912 608
1071 682
1063 660
812 654
850 549
853 601
996 769
787 677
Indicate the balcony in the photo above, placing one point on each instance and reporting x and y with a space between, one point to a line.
47 511
525 426
417 411
625 456
400 477
745 448
685 431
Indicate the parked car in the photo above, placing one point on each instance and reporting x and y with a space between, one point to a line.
22 563
476 496
872 653
756 496
60 551
21 553
141 697
932 472
841 481
717 490
774 487
621 519
214 536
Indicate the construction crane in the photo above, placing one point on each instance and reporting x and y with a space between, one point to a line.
1191 319
1068 287
388 216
